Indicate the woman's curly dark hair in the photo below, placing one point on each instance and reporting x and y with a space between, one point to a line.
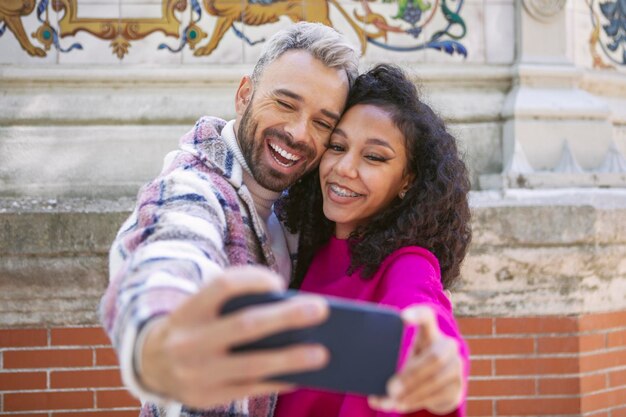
435 212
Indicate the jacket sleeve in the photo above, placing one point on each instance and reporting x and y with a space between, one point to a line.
413 277
172 243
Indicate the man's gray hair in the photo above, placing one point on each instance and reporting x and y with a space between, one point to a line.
321 41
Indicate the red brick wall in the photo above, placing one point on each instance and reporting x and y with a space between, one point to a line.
535 366
61 372
528 366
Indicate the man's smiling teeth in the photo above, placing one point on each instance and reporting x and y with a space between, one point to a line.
342 191
284 153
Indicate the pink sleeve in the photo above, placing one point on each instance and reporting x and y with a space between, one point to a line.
412 277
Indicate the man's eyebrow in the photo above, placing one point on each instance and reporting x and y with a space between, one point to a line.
297 97
332 115
288 93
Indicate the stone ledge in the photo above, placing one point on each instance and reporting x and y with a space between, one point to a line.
540 253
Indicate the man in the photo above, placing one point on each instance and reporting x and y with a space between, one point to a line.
178 257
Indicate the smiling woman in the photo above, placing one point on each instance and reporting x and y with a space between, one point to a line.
364 169
385 219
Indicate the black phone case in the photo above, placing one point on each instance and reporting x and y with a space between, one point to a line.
363 339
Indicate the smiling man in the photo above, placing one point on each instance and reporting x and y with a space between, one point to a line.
202 224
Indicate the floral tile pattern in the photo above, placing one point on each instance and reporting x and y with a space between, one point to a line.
202 28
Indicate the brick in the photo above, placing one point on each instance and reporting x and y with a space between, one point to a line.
540 366
571 344
481 367
471 326
565 344
592 383
591 342
617 378
618 412
109 378
537 406
79 336
501 346
48 358
559 386
31 415
23 337
106 413
603 321
115 399
501 387
603 400
106 357
479 408
536 325
616 339
48 401
15 381
603 360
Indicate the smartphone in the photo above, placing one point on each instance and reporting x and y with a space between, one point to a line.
363 340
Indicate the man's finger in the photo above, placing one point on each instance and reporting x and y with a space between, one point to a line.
255 322
255 366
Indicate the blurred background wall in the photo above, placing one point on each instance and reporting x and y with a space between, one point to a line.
94 93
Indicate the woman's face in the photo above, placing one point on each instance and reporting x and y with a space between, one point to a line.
363 170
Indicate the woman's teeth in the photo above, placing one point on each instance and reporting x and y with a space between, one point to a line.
343 192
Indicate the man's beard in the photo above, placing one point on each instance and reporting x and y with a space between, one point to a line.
252 149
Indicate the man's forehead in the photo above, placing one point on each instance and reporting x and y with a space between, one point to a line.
292 68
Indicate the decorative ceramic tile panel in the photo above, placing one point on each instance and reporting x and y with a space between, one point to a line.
18 32
227 31
608 36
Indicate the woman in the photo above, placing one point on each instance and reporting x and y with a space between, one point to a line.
390 224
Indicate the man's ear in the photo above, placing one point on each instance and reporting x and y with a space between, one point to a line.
243 95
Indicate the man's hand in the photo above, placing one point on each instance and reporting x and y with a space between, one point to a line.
186 355
432 377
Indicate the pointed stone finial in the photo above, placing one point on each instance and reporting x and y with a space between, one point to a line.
568 163
518 163
614 160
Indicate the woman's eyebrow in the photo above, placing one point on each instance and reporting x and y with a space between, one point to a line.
339 132
380 142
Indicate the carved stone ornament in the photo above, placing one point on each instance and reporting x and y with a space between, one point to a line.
543 10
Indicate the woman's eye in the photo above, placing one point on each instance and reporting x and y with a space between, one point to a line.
334 147
376 158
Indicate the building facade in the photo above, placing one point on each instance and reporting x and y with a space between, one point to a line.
93 94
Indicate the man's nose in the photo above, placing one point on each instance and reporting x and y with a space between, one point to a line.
299 130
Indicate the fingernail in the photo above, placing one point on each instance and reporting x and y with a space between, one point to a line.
312 310
316 355
395 388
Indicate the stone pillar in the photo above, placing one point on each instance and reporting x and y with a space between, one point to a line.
558 131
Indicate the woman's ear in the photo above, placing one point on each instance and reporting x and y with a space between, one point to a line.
408 181
243 95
